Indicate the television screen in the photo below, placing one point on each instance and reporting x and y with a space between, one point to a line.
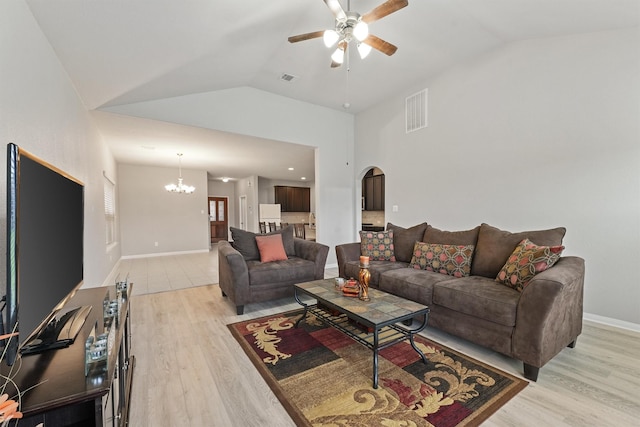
45 223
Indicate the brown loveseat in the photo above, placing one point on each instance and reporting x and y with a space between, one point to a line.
531 325
245 280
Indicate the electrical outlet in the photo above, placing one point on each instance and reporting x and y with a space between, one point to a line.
155 244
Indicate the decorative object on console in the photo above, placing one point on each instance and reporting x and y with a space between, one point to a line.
181 187
8 409
351 27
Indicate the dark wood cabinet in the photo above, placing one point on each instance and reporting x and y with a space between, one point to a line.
293 199
373 193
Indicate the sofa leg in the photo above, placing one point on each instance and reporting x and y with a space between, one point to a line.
531 372
239 309
223 294
572 344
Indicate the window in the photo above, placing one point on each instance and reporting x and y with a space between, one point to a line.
109 210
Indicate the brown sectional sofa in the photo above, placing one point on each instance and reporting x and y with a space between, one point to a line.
532 326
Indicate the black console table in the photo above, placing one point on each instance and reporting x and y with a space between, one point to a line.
59 393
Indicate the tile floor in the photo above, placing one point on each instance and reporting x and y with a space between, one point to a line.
171 272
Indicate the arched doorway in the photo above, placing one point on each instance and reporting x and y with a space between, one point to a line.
373 195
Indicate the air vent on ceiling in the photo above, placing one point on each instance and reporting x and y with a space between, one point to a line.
416 111
288 77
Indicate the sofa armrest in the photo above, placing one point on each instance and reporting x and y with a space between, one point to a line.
550 312
347 252
312 251
233 273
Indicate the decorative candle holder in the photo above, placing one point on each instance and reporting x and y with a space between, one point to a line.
363 279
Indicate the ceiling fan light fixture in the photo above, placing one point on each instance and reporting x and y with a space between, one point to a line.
364 50
338 56
330 37
361 31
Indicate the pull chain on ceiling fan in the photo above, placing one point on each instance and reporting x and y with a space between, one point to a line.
352 27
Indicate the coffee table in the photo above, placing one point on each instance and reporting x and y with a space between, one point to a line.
373 323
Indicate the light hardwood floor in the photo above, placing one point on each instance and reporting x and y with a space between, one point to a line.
191 372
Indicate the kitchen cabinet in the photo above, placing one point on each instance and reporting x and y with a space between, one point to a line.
373 192
293 199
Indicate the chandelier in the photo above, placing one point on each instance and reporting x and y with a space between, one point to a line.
180 188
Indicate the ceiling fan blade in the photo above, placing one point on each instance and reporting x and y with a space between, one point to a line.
336 9
305 36
384 9
381 45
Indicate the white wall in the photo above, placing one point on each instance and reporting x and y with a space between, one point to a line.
149 214
41 112
541 133
249 111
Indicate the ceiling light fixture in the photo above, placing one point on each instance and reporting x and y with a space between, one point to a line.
225 179
350 27
180 188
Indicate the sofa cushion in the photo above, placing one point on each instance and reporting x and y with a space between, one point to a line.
245 242
527 260
376 268
415 285
405 238
466 237
494 247
377 245
292 270
452 260
479 297
271 248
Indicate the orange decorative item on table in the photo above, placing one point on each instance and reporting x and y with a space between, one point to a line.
364 276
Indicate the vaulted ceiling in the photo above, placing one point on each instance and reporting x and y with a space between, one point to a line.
123 51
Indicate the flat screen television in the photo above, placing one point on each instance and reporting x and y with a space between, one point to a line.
45 228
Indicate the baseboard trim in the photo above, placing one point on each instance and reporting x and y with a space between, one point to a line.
111 277
612 322
199 251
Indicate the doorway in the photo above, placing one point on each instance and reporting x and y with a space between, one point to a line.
218 219
373 200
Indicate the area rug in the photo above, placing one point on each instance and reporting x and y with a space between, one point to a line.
324 378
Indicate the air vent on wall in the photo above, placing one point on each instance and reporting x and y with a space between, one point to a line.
416 111
288 78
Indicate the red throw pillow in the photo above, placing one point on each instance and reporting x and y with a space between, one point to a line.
271 248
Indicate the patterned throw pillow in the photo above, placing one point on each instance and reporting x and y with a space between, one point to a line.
454 260
377 245
527 260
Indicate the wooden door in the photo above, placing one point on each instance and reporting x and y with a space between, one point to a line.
218 220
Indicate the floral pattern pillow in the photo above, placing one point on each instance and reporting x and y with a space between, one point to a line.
527 260
377 245
453 260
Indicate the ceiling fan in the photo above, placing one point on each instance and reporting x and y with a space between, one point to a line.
351 26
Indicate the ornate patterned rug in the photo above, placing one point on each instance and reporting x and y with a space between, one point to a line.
324 378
